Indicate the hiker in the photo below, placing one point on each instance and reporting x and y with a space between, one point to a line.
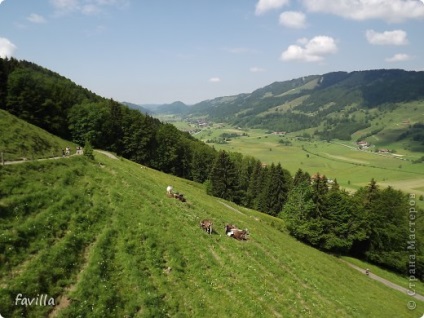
367 272
63 153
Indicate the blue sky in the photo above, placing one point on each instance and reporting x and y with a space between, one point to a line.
157 51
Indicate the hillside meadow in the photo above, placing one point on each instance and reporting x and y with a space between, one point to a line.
339 160
19 139
103 239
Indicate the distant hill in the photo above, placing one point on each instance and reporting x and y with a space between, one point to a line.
173 108
178 108
144 110
334 105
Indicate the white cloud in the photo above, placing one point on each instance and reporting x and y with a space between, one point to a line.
396 37
7 48
214 80
400 57
65 6
265 5
313 50
36 18
387 10
1 1
86 7
256 69
90 9
293 19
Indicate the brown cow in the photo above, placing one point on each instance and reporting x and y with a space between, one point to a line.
207 226
233 231
179 196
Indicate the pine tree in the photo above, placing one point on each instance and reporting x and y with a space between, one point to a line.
261 201
319 190
254 188
276 190
201 162
300 177
247 166
223 177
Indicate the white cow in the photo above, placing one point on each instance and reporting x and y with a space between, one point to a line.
169 190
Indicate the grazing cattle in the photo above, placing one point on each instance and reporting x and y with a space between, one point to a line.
171 194
179 196
233 231
207 226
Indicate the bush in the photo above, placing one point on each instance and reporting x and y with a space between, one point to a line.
88 150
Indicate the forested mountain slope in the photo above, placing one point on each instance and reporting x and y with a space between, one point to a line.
61 107
336 104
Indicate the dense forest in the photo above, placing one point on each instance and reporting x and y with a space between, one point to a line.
372 224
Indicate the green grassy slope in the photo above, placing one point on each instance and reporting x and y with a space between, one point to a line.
392 125
104 240
19 139
337 160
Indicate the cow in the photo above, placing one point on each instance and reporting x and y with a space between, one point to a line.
233 231
179 196
207 226
169 189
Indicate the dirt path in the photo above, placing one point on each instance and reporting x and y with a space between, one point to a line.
230 207
386 282
26 161
110 155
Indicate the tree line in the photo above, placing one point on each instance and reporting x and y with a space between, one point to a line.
372 224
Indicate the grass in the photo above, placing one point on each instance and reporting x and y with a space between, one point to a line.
394 123
19 139
102 238
337 160
393 277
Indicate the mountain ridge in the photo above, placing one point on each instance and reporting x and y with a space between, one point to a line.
334 105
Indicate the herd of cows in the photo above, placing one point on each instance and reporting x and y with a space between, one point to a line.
207 225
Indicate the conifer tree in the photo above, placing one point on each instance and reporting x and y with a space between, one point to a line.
201 162
274 193
319 190
261 201
301 176
247 166
254 188
223 177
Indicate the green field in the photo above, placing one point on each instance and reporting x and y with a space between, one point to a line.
103 240
337 159
19 140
